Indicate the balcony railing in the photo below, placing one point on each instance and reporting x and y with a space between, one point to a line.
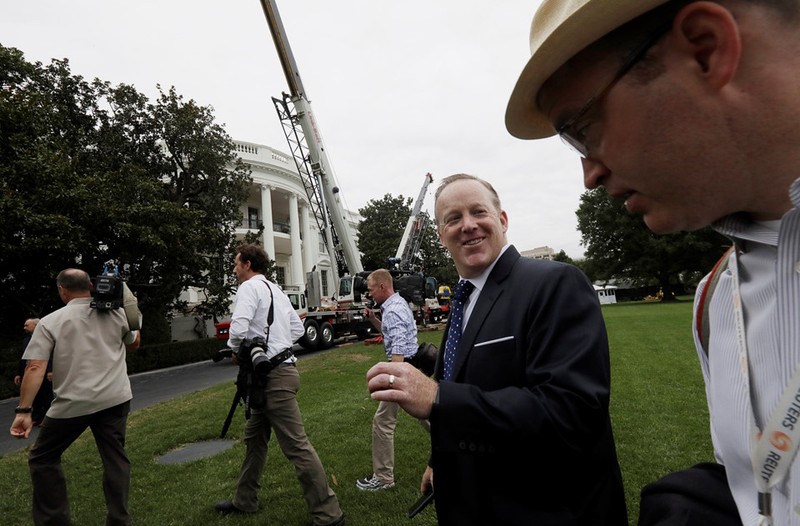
255 224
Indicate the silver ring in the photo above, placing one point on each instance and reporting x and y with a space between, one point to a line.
391 381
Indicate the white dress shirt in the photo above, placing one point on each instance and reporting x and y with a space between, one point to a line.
249 318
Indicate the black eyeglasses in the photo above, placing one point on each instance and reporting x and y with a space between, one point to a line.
574 138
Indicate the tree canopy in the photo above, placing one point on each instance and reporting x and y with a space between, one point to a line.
619 245
381 230
91 172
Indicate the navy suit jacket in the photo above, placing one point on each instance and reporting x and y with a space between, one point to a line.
522 434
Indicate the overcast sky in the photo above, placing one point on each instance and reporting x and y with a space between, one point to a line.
399 88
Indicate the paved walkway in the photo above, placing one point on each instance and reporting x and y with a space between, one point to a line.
148 389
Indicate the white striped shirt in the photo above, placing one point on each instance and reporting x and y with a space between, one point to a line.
769 274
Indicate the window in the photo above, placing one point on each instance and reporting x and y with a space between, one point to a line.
252 218
280 276
322 242
345 286
324 276
294 299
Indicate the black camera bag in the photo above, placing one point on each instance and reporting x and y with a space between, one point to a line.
425 358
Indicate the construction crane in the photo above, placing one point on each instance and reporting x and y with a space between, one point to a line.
324 325
310 156
412 236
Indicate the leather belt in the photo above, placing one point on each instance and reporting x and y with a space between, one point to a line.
280 357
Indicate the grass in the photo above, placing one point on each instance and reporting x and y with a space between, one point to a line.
658 404
658 410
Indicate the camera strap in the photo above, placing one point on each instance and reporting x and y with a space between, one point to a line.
270 312
285 354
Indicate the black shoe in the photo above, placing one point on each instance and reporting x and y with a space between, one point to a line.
337 522
225 507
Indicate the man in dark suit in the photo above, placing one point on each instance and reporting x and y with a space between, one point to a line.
520 430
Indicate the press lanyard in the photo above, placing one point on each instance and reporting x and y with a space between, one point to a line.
773 449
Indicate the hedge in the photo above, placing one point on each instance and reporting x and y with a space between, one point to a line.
146 358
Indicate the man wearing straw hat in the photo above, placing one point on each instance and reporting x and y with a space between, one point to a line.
690 112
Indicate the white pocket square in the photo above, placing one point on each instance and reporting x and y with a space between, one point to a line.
503 339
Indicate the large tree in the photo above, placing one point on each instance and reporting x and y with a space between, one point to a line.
91 172
379 232
619 245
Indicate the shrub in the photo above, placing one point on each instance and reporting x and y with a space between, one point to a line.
146 358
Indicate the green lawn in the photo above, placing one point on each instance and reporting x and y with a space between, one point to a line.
658 409
658 403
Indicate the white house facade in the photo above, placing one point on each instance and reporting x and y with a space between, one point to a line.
277 199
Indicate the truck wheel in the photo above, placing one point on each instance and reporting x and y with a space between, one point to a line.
310 340
326 335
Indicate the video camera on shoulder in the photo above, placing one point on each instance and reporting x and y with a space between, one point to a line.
107 289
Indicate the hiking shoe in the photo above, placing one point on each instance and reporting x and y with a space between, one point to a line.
373 483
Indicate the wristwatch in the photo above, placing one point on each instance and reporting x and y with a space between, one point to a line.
19 410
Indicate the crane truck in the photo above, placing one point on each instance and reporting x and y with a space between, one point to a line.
428 308
344 317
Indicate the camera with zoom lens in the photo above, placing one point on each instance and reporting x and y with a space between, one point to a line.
253 353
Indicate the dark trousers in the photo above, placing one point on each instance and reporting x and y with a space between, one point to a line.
44 397
282 415
50 504
698 496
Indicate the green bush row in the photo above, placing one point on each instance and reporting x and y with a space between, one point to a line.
146 358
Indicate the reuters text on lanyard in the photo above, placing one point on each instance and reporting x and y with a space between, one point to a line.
773 448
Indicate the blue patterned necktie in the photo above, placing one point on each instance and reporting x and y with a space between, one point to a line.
463 290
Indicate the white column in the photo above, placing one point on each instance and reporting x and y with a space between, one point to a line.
309 244
298 277
268 238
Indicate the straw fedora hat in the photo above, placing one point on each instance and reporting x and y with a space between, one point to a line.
561 29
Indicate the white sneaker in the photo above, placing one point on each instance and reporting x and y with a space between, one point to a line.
373 483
